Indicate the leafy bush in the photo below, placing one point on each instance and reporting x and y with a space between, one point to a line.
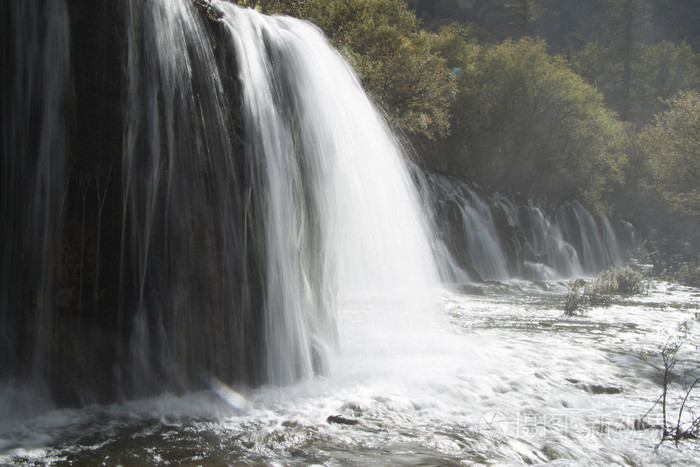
687 273
581 296
613 281
618 281
575 300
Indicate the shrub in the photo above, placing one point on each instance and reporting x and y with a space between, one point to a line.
680 378
686 273
618 281
689 274
575 298
613 281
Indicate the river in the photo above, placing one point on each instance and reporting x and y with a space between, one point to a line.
501 377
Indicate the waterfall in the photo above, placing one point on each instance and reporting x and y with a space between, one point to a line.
254 189
491 236
303 201
547 254
198 193
341 213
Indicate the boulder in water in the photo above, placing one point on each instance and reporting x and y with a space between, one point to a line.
340 420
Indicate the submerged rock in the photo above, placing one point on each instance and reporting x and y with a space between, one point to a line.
340 420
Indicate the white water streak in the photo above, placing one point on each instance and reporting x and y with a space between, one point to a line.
341 210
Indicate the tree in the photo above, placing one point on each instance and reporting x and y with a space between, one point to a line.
663 69
525 121
677 21
657 72
522 14
674 143
609 62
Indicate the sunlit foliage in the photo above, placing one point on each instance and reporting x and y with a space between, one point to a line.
674 149
528 122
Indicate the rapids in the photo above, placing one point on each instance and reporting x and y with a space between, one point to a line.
501 377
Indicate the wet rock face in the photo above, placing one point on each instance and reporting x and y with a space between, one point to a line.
61 210
208 9
512 240
97 51
68 316
87 347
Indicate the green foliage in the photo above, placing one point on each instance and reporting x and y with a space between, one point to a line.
618 281
636 77
575 299
522 13
565 24
524 116
674 147
623 27
663 70
613 281
274 7
686 273
660 193
453 43
656 73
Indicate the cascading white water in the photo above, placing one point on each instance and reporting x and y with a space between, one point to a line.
549 242
260 193
327 206
549 255
341 210
526 243
544 242
250 213
594 253
599 243
612 244
370 215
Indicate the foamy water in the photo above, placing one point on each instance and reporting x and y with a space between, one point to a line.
502 378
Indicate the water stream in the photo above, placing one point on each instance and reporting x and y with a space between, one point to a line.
502 378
